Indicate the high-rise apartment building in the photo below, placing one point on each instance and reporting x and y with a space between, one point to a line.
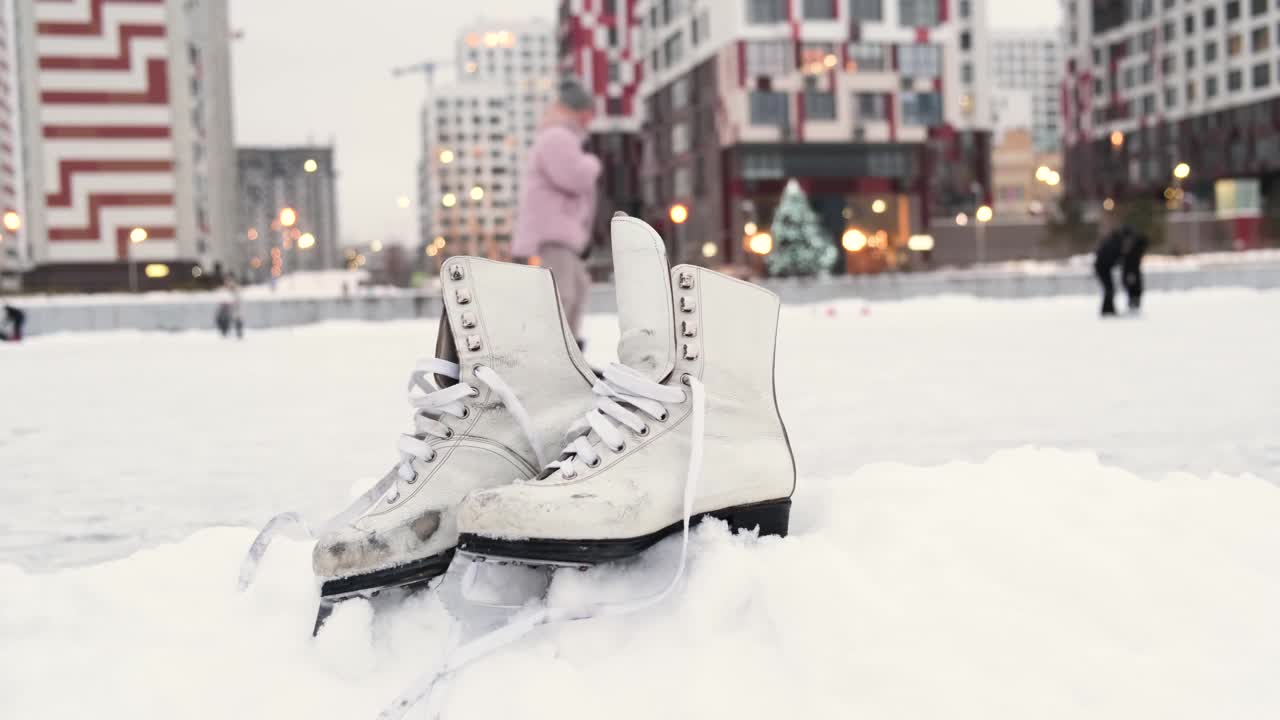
276 180
1031 61
13 246
598 43
475 133
1154 84
879 108
126 121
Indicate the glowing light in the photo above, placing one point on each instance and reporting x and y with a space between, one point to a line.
750 229
477 193
449 200
196 271
830 60
473 39
12 221
920 243
137 235
471 67
847 213
878 206
491 39
432 250
439 241
962 219
255 262
306 240
853 240
310 165
1180 171
679 213
252 234
710 249
761 243
446 157
1042 173
983 214
376 246
360 261
1053 179
288 216
1117 138
156 270
402 202
350 254
1108 204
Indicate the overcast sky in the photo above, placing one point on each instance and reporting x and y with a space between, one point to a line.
320 71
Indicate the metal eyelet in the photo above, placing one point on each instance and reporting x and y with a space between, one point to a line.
412 480
448 433
466 413
433 456
665 415
595 463
643 431
391 500
475 392
620 448
685 379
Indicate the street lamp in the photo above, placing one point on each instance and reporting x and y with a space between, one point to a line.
962 219
306 241
761 243
1117 139
853 240
749 229
710 249
679 213
983 216
446 157
1181 171
310 165
449 200
477 193
878 206
288 217
136 236
12 221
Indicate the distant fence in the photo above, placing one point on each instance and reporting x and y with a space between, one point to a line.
189 312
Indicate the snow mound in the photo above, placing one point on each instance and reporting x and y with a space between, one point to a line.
1037 584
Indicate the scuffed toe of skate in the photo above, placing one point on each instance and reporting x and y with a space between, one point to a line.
354 551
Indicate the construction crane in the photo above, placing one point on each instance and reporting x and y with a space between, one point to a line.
426 67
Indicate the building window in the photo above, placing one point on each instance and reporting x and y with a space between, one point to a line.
819 105
1257 7
701 27
1235 80
673 49
680 93
1148 104
760 12
768 57
867 57
1211 86
964 8
1191 58
655 61
1127 78
966 73
679 139
1233 10
613 72
871 106
1261 75
1099 88
1189 25
1146 75
819 10
1210 52
1210 17
917 13
920 61
1169 29
816 55
1166 65
1234 44
769 108
1170 98
1147 40
1191 91
921 109
868 9
680 182
965 41
1259 39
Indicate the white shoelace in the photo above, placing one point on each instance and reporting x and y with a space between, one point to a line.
631 386
430 403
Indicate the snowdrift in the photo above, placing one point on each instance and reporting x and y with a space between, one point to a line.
1037 584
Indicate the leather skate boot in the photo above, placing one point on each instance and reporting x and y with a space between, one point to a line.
491 408
620 485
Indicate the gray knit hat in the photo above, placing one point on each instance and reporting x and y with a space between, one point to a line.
573 96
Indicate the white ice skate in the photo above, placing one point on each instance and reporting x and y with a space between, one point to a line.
491 408
619 486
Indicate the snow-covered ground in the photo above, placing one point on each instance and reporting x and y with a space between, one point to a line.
1005 510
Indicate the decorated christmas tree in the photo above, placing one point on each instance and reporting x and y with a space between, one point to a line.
800 245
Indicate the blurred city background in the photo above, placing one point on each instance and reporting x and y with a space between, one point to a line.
173 144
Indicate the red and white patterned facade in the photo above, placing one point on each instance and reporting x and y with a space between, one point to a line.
12 251
599 44
126 109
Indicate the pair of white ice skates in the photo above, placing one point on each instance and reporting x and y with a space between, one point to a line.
607 466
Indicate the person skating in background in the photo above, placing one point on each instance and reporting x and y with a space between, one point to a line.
11 327
1104 262
229 316
558 199
1135 246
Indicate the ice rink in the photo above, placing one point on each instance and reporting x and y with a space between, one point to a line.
1005 510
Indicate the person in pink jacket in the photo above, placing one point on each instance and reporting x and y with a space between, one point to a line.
558 199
